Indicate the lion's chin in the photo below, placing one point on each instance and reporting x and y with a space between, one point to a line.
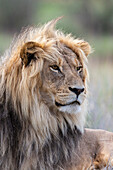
70 109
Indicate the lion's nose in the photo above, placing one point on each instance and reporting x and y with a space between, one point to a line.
77 91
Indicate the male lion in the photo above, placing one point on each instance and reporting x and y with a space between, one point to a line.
43 90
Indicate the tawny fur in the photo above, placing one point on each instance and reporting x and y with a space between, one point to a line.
33 134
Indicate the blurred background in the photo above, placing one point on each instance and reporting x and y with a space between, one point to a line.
87 19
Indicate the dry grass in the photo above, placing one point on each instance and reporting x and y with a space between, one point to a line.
100 105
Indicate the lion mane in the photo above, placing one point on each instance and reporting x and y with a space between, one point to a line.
33 135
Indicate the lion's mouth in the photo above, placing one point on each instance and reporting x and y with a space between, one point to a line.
74 102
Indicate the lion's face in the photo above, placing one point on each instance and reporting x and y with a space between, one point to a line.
63 82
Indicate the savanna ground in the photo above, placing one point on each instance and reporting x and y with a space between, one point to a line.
100 65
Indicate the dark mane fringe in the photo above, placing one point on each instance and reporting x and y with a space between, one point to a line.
20 148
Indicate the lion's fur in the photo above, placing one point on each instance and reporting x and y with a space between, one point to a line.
30 137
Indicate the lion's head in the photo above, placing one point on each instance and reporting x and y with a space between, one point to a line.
46 77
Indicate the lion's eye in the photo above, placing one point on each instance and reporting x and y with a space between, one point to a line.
55 68
79 68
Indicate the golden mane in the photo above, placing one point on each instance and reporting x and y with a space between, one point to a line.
24 115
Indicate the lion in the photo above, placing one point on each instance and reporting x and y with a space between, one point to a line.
43 99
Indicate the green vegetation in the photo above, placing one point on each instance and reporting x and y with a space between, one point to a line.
5 40
102 46
90 20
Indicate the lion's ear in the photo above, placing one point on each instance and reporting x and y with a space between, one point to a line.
29 52
85 47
